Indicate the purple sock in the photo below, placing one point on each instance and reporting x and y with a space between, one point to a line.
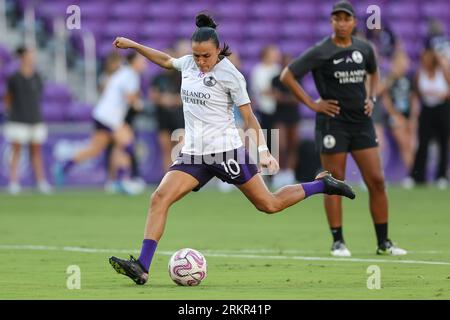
122 173
314 187
147 251
129 149
68 165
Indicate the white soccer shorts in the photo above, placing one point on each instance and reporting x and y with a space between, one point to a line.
24 133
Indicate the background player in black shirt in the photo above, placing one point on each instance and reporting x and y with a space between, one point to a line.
340 64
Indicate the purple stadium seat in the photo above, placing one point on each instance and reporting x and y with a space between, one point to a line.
53 112
157 29
185 29
323 29
402 11
97 27
56 93
77 111
127 11
231 11
104 48
293 48
162 10
160 44
48 9
263 30
231 31
265 11
252 49
404 29
94 10
436 9
296 30
190 9
300 10
129 29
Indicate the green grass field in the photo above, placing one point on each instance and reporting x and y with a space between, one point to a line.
250 255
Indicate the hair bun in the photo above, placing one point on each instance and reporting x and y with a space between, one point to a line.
203 20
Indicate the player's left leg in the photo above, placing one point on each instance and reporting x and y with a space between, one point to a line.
369 163
123 152
38 167
264 200
14 185
174 186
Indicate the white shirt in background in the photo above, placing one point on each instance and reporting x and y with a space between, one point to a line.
112 107
261 81
433 90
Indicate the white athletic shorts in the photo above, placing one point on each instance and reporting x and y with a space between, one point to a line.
24 133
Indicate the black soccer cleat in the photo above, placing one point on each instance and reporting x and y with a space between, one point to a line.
387 247
335 187
131 268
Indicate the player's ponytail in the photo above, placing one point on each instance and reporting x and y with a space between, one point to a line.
203 20
206 30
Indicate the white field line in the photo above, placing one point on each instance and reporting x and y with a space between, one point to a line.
217 253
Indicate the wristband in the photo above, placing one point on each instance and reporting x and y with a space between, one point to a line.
262 148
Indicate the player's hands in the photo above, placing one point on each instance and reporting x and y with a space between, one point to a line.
329 107
124 43
266 160
368 107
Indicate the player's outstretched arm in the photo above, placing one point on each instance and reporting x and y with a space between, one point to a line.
265 158
160 58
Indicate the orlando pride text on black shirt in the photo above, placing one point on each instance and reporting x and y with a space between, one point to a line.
339 74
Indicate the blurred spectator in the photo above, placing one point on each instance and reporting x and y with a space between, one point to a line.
112 63
25 124
287 118
165 94
261 83
383 39
436 38
402 106
121 93
386 46
433 85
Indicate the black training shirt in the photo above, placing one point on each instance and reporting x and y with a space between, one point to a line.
339 74
26 98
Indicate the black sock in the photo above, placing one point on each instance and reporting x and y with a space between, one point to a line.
381 230
337 234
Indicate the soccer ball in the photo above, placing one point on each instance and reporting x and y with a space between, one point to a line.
187 267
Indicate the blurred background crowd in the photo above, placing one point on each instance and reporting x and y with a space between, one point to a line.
60 74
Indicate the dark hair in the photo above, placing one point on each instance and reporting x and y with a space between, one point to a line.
206 30
131 56
20 51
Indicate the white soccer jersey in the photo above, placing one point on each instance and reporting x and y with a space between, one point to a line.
112 107
208 101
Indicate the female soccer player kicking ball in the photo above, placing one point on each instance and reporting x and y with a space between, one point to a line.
211 85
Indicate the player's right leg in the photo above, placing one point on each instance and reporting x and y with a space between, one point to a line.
175 185
335 164
14 185
98 144
257 192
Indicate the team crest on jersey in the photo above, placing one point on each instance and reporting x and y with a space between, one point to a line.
357 57
209 81
329 141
